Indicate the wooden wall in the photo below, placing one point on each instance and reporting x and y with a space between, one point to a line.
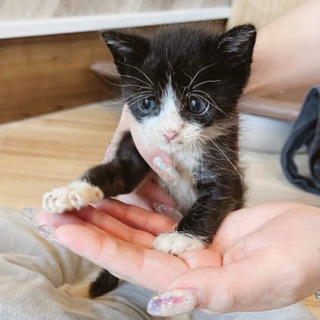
44 74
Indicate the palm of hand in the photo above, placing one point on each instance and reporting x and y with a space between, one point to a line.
254 251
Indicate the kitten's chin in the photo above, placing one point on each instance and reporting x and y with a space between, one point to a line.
171 148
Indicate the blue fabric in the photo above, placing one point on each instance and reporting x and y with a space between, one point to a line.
305 131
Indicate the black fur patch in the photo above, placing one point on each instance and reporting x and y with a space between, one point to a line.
104 283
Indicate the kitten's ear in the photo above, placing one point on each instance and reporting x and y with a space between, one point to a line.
126 48
236 45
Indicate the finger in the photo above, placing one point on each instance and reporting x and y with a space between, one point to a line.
136 217
56 220
145 148
151 190
115 228
149 268
240 286
147 194
202 258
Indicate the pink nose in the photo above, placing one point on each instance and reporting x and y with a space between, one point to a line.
170 136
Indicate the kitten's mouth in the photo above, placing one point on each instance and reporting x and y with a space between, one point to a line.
173 146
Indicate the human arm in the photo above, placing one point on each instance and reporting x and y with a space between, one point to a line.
286 54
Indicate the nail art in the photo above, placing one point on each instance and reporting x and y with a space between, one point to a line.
47 232
167 211
29 215
168 174
172 303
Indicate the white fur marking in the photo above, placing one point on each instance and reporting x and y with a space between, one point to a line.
74 196
78 290
176 243
82 288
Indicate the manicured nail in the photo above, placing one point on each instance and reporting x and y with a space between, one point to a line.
172 303
47 232
29 215
167 211
166 173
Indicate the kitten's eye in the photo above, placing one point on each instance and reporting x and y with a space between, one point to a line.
147 105
197 106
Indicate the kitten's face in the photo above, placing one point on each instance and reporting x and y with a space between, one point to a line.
183 85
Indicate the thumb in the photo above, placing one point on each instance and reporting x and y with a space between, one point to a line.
161 162
249 284
204 288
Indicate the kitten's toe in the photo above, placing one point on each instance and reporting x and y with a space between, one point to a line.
177 243
56 201
74 196
83 194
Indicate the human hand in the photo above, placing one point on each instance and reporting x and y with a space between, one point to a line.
149 195
262 258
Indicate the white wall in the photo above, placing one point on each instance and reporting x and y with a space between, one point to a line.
20 18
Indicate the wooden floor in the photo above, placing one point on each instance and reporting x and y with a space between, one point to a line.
49 151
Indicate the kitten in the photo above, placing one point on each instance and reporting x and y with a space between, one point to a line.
182 86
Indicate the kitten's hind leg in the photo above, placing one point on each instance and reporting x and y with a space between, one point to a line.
81 288
97 284
105 282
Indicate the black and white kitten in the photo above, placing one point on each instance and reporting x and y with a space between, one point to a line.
182 87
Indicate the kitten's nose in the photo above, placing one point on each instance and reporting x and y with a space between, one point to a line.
170 135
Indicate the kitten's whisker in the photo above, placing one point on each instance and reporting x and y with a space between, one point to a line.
210 98
225 156
136 86
125 76
196 75
187 75
134 100
137 79
135 68
204 82
185 88
114 103
104 78
139 94
212 103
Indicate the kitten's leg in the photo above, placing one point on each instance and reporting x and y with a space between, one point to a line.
96 285
104 283
197 229
122 175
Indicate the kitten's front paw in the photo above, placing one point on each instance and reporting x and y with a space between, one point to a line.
74 196
177 243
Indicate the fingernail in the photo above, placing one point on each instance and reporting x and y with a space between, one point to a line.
172 303
167 211
29 215
166 173
47 232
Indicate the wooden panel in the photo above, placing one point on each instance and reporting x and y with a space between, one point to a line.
45 74
270 108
